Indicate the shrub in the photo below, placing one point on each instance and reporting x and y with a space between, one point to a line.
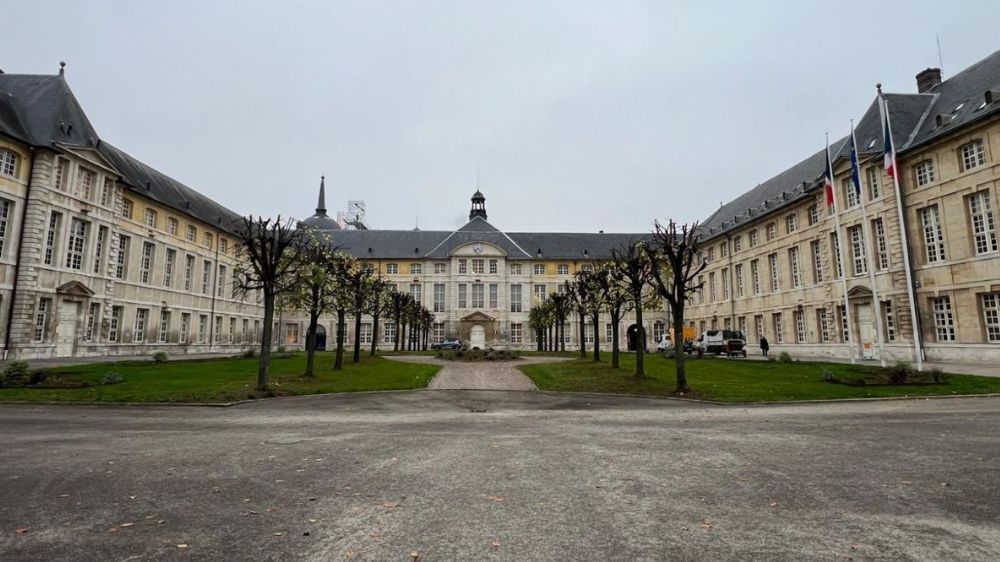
937 375
249 353
898 373
828 376
784 357
15 373
111 378
160 357
37 377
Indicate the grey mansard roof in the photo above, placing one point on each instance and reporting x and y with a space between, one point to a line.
960 101
41 111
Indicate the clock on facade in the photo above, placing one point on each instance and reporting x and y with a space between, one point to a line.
478 248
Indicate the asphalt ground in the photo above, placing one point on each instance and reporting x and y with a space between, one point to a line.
477 475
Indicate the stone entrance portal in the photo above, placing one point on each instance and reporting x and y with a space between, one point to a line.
478 330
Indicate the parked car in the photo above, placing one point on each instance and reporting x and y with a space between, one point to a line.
727 342
448 343
666 344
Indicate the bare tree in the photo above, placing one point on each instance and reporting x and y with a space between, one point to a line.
314 291
379 304
675 269
357 282
398 311
560 308
267 256
617 301
589 301
344 267
635 266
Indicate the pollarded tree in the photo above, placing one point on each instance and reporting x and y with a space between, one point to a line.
575 296
344 268
268 253
560 310
675 270
398 311
538 320
589 301
616 300
358 283
428 323
379 305
634 264
314 291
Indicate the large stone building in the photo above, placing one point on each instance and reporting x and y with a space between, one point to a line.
481 282
100 254
773 264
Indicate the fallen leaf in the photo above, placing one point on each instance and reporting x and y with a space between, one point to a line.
706 524
415 556
64 495
22 530
312 520
279 534
495 544
126 525
351 553
497 499
774 504
390 505
160 522
182 546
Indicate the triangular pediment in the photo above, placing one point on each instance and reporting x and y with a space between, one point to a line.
859 291
478 317
92 156
74 288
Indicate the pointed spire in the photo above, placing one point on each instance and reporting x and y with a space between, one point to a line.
321 204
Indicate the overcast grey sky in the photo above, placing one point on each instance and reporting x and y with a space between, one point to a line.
580 116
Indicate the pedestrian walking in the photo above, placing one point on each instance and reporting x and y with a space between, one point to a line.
764 346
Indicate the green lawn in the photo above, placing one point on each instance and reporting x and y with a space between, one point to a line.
225 380
735 380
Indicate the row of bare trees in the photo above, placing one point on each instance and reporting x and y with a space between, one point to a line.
305 272
637 275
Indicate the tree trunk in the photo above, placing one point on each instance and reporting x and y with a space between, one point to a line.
374 334
597 338
265 343
640 341
562 334
682 384
539 340
615 343
357 337
395 339
338 363
402 336
583 333
311 344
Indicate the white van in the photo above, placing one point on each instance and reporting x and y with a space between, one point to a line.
729 342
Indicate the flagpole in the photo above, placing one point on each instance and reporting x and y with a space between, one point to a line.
866 232
840 253
918 355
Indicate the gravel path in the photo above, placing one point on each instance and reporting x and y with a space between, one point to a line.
479 375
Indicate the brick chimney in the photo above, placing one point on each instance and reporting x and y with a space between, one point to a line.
928 79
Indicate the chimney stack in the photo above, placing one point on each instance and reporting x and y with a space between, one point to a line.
928 80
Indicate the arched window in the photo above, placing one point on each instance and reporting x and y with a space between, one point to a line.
8 163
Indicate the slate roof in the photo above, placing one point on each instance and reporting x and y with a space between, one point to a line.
914 124
41 111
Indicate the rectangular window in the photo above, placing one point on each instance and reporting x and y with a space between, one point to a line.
463 266
42 318
758 326
232 329
6 208
793 263
202 328
416 269
890 321
114 325
933 234
389 332
725 285
463 299
365 336
61 174
245 332
813 215
440 268
102 236
800 326
93 316
540 293
188 272
51 236
562 269
220 282
991 316
494 266
107 192
516 333
588 333
8 163
711 287
494 295
121 264
874 176
139 332
609 333
850 193
208 240
817 261
845 332
85 180
723 251
168 267
149 218
477 267
755 276
162 333
944 319
437 332
415 292
147 262
76 243
739 280
291 333
973 155
881 247
772 231
478 295
539 269
217 330
172 226
192 233
791 224
924 172
983 225
741 324
711 254
439 297
838 265
206 277
776 324
515 297
185 327
127 208
858 249
823 325
772 262
515 269
701 289
753 238
738 243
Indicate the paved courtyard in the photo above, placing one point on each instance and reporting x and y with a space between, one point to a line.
479 375
459 475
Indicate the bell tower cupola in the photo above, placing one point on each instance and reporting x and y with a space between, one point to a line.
478 206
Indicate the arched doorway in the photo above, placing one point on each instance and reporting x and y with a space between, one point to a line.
477 337
320 337
632 335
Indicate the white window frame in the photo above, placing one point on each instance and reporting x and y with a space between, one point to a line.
944 318
76 243
924 172
990 303
858 249
934 248
139 329
984 233
972 155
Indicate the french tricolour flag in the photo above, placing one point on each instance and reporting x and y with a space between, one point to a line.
828 179
889 149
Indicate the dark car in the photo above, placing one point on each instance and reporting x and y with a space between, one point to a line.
448 343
